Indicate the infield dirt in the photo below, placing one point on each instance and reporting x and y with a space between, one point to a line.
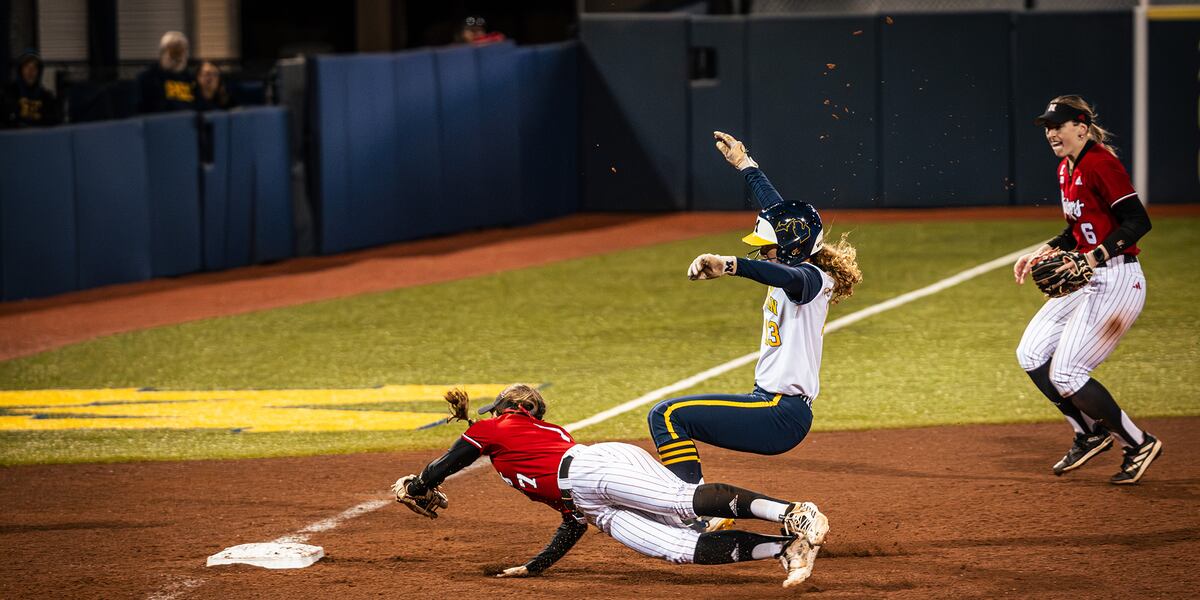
968 512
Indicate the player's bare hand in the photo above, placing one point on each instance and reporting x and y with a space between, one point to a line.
711 266
1021 267
520 571
1024 264
735 152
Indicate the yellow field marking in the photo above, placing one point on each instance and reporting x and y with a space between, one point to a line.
249 410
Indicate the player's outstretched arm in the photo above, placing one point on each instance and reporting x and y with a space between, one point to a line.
802 283
457 458
735 154
564 539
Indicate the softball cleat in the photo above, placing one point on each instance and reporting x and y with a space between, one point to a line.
1084 448
809 527
1137 460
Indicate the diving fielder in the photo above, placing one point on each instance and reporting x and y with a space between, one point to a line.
619 488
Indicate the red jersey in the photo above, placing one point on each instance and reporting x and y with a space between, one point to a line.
525 452
1098 183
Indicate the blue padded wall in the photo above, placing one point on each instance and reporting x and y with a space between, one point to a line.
946 121
37 214
1173 89
239 198
329 110
500 131
635 118
418 166
718 104
813 127
464 193
215 198
1101 72
374 212
535 134
112 204
556 72
549 121
172 166
273 235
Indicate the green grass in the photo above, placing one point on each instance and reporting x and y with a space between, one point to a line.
606 329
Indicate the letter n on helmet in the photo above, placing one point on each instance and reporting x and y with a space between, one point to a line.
793 226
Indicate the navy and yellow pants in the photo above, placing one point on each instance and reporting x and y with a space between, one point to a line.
758 422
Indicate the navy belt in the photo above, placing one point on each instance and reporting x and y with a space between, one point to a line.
564 472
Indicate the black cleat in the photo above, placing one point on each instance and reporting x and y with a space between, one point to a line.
1085 447
1137 460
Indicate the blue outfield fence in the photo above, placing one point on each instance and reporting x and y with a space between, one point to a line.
96 204
426 142
849 111
919 109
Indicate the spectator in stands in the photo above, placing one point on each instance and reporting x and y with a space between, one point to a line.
210 89
168 85
474 31
26 102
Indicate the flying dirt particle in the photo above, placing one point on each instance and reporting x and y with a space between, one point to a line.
831 66
826 102
835 116
889 20
613 169
857 32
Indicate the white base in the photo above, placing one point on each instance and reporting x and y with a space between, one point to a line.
269 555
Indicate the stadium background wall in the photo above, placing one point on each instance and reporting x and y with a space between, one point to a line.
844 112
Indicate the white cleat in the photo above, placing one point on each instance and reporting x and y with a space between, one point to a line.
810 527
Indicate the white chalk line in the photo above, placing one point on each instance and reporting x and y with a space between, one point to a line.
302 535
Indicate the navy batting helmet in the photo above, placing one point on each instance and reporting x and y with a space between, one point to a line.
793 226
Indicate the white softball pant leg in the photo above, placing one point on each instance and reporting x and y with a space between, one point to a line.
1042 335
627 494
1111 303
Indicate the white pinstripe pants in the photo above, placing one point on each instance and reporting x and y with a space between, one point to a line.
625 492
1078 331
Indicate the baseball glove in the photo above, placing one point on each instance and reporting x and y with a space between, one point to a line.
426 504
460 405
1059 273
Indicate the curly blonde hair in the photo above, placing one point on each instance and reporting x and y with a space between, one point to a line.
840 261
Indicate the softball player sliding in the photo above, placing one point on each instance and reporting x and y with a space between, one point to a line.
1071 335
617 487
803 277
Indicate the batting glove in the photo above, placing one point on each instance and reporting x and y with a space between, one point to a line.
734 151
711 266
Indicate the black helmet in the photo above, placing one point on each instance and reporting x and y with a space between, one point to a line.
793 226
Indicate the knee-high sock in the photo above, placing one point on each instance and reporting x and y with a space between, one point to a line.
721 547
723 500
1079 422
682 458
1095 401
688 471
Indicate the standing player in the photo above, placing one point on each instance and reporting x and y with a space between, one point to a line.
617 487
803 277
1071 335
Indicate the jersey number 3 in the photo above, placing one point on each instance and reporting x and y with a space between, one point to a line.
773 334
